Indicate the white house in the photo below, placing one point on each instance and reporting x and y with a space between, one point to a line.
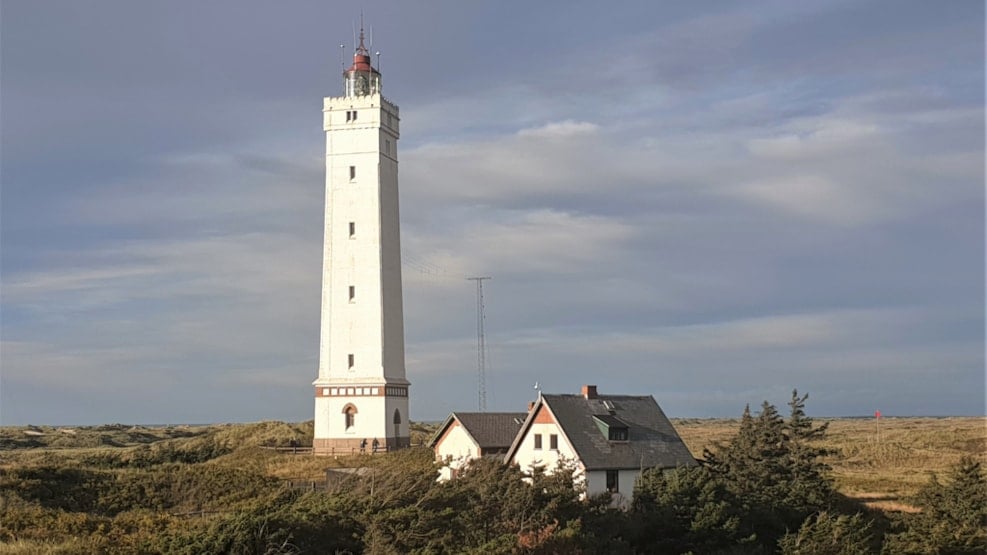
609 439
465 436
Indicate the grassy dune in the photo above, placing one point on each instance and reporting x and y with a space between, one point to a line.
128 488
884 466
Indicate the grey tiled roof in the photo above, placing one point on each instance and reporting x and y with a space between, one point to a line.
491 430
652 441
610 420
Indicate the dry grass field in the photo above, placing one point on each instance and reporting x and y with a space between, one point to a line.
882 466
141 489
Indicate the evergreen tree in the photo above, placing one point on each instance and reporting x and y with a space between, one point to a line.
683 510
808 489
774 468
828 534
953 517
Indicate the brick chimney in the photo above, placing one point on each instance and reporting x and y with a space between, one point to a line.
589 391
531 405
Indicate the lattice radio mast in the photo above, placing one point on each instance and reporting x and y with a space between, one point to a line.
481 346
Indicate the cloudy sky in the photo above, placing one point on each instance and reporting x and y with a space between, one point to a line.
712 203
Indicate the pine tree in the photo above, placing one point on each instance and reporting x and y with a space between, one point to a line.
953 517
828 534
682 510
774 467
809 489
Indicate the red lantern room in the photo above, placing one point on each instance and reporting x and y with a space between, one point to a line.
361 79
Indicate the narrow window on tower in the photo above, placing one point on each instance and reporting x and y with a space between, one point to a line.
354 115
347 115
352 293
350 360
352 173
352 230
387 146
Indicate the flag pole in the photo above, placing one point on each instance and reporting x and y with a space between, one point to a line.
877 420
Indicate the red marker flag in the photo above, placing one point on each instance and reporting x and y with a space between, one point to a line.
877 414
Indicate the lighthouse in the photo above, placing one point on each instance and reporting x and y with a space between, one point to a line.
361 393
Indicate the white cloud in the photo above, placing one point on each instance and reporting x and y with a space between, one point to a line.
527 242
560 130
38 285
85 368
545 161
815 197
817 137
821 330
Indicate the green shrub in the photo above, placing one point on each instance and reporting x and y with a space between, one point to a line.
685 509
70 489
828 534
953 517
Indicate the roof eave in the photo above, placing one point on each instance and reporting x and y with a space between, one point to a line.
442 429
452 417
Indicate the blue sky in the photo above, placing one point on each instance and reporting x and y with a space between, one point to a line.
713 203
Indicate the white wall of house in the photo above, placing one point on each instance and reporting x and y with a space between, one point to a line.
596 483
456 448
528 455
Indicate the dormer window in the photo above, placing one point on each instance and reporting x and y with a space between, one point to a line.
614 428
617 434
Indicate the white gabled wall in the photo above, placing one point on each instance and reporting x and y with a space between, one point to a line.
455 448
528 457
596 483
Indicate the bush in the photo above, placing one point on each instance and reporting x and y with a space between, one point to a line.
827 534
953 517
685 509
70 489
185 487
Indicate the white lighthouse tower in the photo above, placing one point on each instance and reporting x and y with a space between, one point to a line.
361 394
